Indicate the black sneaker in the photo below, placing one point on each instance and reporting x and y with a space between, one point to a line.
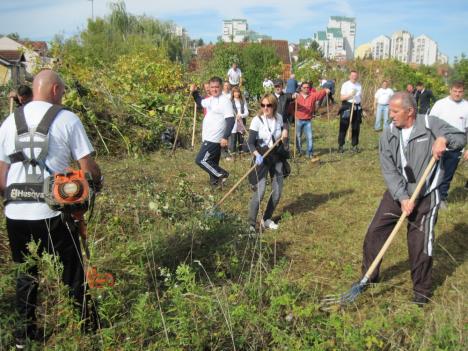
355 149
466 185
340 149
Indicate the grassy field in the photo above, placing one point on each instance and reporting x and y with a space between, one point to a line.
187 281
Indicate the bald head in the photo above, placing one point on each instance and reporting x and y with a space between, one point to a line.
49 87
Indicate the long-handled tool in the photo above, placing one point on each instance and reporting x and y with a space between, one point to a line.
180 124
359 287
295 127
194 123
215 212
329 127
11 105
351 120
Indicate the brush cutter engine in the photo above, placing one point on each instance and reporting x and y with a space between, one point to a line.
69 192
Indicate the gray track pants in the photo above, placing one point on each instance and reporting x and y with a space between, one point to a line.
277 188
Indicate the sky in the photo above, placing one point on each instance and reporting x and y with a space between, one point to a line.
444 21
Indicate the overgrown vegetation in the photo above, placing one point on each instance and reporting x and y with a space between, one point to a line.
185 280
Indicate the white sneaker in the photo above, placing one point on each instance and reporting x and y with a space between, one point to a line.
269 224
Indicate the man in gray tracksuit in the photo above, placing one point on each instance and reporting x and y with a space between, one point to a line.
406 148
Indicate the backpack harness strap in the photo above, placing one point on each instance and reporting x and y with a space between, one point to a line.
31 148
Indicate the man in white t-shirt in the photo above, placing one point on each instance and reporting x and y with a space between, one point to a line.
381 99
350 96
30 218
453 109
216 129
234 76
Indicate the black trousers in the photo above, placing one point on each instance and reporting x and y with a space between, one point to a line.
355 127
208 159
420 238
53 237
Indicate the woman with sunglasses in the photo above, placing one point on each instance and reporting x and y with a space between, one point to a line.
265 129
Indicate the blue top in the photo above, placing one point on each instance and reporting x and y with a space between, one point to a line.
291 86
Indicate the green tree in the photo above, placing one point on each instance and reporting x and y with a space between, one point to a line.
460 69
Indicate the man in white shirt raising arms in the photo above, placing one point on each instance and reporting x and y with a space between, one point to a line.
381 99
216 129
453 109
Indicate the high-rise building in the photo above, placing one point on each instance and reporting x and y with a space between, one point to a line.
347 25
381 47
401 46
234 30
424 50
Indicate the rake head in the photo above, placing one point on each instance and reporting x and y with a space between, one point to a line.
215 213
331 301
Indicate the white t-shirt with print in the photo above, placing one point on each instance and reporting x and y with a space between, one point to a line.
266 128
383 96
348 87
218 108
452 112
234 76
67 141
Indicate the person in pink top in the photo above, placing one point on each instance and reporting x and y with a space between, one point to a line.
305 112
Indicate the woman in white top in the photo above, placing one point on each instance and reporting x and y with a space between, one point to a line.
266 128
239 105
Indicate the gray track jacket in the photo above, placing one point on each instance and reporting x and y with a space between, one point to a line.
418 153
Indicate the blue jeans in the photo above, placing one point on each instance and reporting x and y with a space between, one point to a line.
382 111
450 161
305 125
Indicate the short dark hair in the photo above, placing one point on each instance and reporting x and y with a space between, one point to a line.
458 84
306 82
353 71
216 80
419 84
24 91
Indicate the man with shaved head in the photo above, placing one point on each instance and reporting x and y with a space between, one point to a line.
38 140
406 148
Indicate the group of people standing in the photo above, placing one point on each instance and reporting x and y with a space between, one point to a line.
407 144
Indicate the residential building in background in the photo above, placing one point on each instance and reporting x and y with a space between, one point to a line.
337 41
234 30
363 52
401 46
35 52
347 25
424 50
381 47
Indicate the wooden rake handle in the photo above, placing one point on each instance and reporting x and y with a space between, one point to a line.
180 124
403 216
295 126
351 120
11 105
246 174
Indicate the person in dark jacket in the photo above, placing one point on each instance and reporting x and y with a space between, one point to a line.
423 97
406 148
284 99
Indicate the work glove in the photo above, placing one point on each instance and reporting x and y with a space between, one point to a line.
258 160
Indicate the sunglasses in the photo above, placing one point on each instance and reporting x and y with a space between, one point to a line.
266 105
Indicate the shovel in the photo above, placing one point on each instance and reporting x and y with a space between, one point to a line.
215 210
359 287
